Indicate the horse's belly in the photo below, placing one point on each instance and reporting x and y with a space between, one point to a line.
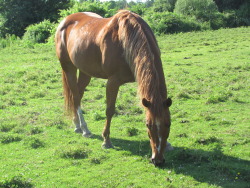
98 73
91 67
88 59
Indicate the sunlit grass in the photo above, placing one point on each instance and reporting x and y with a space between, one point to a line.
207 75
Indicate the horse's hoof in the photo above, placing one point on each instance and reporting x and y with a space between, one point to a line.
107 145
169 147
78 130
86 134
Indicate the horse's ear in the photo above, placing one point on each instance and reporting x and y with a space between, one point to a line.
146 103
167 102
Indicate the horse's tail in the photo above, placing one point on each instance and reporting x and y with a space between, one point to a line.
68 95
62 53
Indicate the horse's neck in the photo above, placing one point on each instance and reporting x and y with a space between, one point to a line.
162 83
152 83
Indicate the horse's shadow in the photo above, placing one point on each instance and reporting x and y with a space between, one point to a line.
212 167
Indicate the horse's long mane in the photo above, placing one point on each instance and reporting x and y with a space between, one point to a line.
143 56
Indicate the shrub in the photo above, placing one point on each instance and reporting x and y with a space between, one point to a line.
16 15
38 33
16 181
164 5
139 8
6 139
34 143
167 22
8 41
217 21
229 4
202 10
243 15
86 6
131 131
74 152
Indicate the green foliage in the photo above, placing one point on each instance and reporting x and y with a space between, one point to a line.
86 6
206 141
167 22
206 137
243 14
229 4
34 143
6 139
16 15
8 41
38 33
132 131
206 12
220 97
164 5
16 182
202 10
73 152
35 130
138 8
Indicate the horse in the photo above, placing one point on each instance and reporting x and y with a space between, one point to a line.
121 49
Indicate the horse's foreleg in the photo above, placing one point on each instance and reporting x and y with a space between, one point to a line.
82 83
111 94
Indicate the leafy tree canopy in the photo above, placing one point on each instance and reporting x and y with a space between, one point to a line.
16 15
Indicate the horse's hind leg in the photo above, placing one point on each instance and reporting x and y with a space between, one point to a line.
72 97
82 83
111 94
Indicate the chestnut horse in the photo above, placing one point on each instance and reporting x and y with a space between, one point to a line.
121 49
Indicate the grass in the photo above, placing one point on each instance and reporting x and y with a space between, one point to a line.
207 75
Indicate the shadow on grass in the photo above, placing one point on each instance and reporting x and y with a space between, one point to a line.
212 167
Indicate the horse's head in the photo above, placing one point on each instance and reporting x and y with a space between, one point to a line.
158 129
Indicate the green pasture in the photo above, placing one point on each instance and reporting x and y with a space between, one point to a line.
208 79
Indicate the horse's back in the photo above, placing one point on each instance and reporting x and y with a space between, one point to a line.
92 44
82 23
76 41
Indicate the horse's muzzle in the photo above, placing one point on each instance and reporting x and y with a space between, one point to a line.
158 163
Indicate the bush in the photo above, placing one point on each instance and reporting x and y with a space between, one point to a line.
229 4
167 22
86 6
243 15
16 181
202 10
38 33
164 5
8 41
138 8
16 15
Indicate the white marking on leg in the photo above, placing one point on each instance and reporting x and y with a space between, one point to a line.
83 124
77 124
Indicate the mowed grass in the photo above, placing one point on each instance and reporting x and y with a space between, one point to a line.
207 75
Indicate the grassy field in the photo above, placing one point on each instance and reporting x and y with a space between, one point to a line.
208 78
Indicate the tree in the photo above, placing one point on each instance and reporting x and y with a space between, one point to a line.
202 10
229 4
16 15
164 5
